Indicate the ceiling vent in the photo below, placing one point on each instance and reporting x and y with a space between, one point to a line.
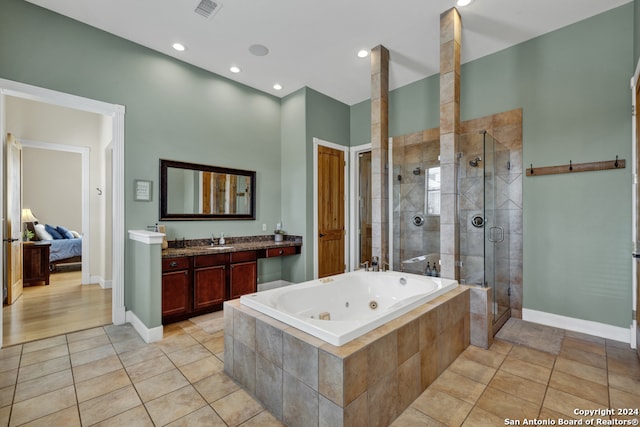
207 8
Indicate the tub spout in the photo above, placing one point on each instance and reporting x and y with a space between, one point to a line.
365 265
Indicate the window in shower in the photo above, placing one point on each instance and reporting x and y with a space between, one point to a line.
432 191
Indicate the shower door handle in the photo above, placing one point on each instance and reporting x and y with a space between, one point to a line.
492 234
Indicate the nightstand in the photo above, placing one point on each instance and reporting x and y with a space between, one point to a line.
35 263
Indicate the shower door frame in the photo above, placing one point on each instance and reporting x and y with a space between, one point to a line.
354 206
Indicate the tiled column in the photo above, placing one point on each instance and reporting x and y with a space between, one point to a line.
379 152
450 43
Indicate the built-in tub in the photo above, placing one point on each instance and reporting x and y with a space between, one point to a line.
340 308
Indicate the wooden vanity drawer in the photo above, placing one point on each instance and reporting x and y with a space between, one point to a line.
289 250
243 256
173 264
209 260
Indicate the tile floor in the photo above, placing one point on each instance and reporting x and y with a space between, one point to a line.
109 376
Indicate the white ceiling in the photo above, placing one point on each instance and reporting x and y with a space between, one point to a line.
314 43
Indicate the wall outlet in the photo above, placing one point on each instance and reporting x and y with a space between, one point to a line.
264 227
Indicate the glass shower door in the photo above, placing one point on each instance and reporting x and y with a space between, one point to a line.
496 230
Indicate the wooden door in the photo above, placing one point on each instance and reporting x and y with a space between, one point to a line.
330 211
14 223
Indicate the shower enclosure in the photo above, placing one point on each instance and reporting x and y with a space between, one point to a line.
484 209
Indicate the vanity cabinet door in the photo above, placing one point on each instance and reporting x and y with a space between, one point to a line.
175 293
208 286
243 279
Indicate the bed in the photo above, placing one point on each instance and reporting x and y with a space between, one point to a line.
64 251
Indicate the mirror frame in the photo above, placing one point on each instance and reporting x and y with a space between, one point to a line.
167 216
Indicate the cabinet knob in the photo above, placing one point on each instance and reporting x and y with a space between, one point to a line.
281 251
173 264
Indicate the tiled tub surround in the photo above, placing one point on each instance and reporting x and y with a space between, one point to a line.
338 309
369 381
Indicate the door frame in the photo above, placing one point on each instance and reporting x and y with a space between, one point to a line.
635 326
86 215
316 143
117 113
354 181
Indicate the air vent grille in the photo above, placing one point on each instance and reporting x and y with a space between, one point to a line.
207 8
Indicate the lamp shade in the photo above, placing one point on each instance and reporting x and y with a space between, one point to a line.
27 216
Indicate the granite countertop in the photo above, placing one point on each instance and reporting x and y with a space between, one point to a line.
229 247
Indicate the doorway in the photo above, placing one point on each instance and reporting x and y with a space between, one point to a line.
330 209
116 114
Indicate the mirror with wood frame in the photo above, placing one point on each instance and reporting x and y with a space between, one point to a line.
190 191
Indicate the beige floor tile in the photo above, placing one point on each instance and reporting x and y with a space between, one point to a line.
176 343
98 386
6 396
580 370
96 368
625 383
56 341
40 406
5 413
578 387
175 405
580 344
411 417
442 407
506 405
203 417
189 355
86 334
479 417
91 355
517 386
44 354
586 357
585 337
108 405
139 355
546 413
623 400
67 417
263 419
474 370
530 371
531 355
237 407
89 343
216 343
565 403
9 363
8 378
150 368
484 357
622 362
36 387
458 386
137 417
500 346
9 352
161 384
216 386
131 344
202 368
26 373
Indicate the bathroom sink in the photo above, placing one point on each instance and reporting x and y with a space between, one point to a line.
219 248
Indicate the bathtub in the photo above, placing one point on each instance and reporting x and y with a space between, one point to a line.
341 308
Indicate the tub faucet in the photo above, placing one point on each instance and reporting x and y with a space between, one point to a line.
365 265
374 264
383 265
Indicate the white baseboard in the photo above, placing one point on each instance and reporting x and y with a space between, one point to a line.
104 284
589 327
272 285
148 335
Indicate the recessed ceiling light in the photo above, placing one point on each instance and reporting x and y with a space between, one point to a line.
277 86
463 3
179 47
234 69
363 53
258 49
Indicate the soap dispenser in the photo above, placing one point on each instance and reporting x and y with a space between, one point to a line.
221 241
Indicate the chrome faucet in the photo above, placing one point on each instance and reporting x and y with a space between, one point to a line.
374 264
365 265
213 242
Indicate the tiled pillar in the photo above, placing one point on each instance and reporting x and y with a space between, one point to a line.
379 152
450 43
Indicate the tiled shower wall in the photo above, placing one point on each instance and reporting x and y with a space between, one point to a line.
421 150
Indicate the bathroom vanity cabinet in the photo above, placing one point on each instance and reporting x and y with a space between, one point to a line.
199 282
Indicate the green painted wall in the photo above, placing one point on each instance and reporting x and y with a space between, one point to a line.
306 114
143 296
173 111
636 29
573 86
